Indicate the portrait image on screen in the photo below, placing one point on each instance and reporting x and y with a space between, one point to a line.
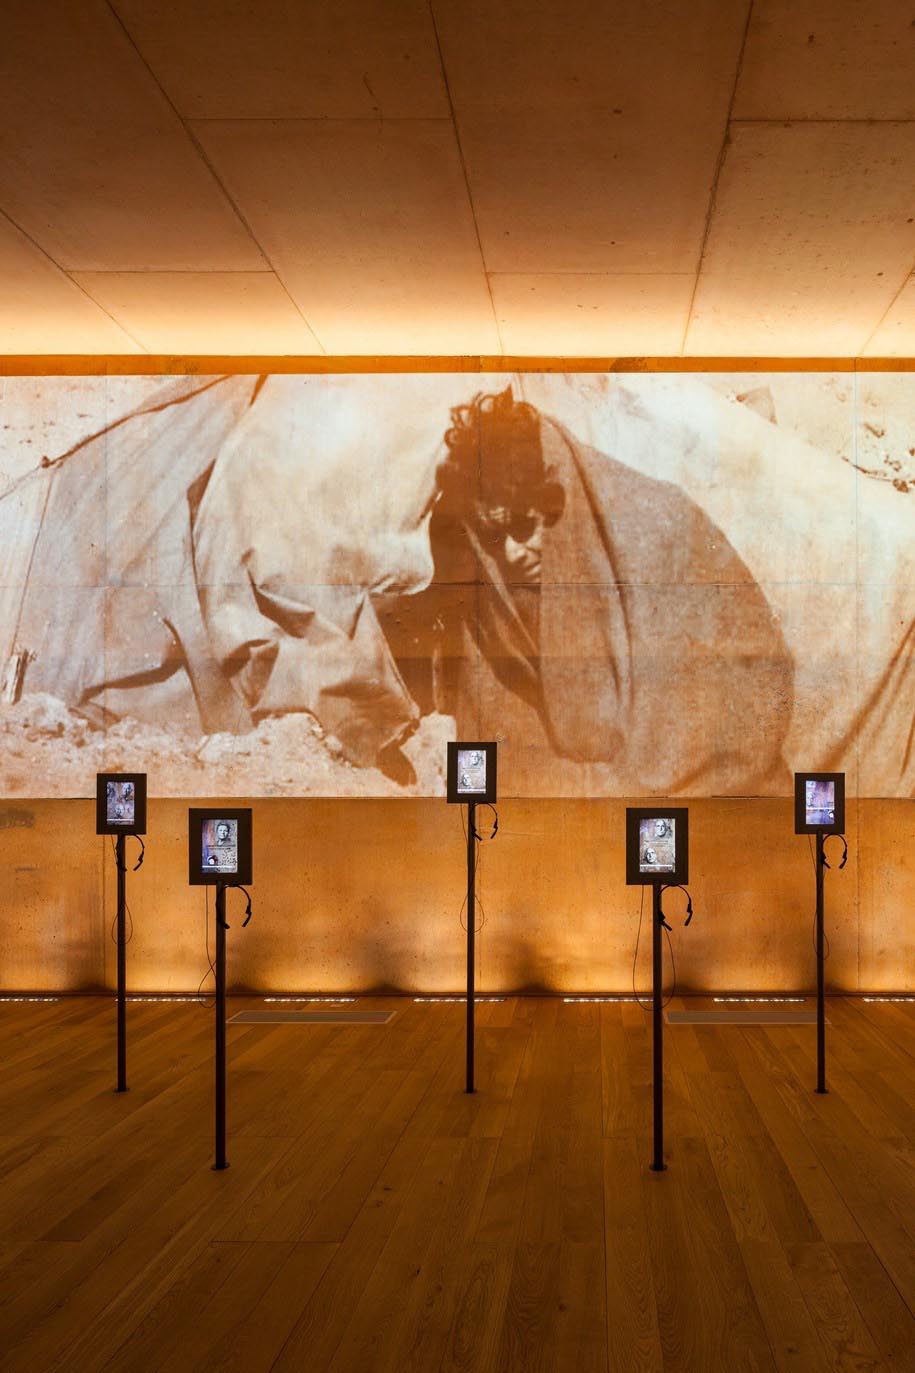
819 802
219 845
471 771
658 844
120 803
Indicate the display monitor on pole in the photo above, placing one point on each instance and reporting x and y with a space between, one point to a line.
471 781
120 811
657 855
657 846
819 803
220 855
819 809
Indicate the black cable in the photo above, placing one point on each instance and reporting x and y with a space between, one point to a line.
826 944
114 923
201 995
649 1006
673 964
477 868
635 957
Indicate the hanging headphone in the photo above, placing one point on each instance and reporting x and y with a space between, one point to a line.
139 862
495 822
826 863
677 886
225 923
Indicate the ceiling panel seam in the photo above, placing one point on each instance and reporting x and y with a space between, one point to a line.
320 119
713 192
463 161
198 147
910 274
594 272
64 273
787 120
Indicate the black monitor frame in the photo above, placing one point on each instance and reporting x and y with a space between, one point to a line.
102 823
202 877
462 798
800 803
680 875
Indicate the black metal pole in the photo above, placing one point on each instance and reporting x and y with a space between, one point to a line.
471 931
221 1161
657 1165
821 998
120 858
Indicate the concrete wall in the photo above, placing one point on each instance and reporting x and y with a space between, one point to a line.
365 894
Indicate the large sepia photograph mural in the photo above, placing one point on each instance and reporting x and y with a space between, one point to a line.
675 584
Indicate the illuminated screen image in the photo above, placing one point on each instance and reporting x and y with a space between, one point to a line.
120 803
553 560
471 779
657 844
219 846
819 802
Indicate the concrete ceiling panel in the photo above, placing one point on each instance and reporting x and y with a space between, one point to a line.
292 58
368 226
812 234
894 336
591 132
42 311
580 315
202 312
94 164
828 59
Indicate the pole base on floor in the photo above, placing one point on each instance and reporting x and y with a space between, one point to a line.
821 1091
119 1091
657 1167
219 1167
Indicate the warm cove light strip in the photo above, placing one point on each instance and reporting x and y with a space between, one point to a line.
447 1000
310 1000
602 1000
30 998
908 999
188 998
759 1000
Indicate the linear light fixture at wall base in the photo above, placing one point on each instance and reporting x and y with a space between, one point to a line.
905 999
448 1000
600 1000
311 1000
43 999
761 1000
188 998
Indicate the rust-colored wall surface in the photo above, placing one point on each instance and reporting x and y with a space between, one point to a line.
366 894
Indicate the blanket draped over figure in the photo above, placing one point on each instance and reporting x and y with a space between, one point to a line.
150 597
646 660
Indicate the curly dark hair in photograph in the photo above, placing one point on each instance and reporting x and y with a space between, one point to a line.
495 458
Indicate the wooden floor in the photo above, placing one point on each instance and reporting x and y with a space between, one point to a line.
375 1219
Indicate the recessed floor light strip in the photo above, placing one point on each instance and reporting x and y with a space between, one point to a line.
762 1000
449 1000
188 999
311 1000
904 999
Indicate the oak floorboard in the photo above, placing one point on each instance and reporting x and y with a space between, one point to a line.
377 1219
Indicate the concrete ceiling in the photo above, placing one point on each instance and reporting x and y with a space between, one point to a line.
562 177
